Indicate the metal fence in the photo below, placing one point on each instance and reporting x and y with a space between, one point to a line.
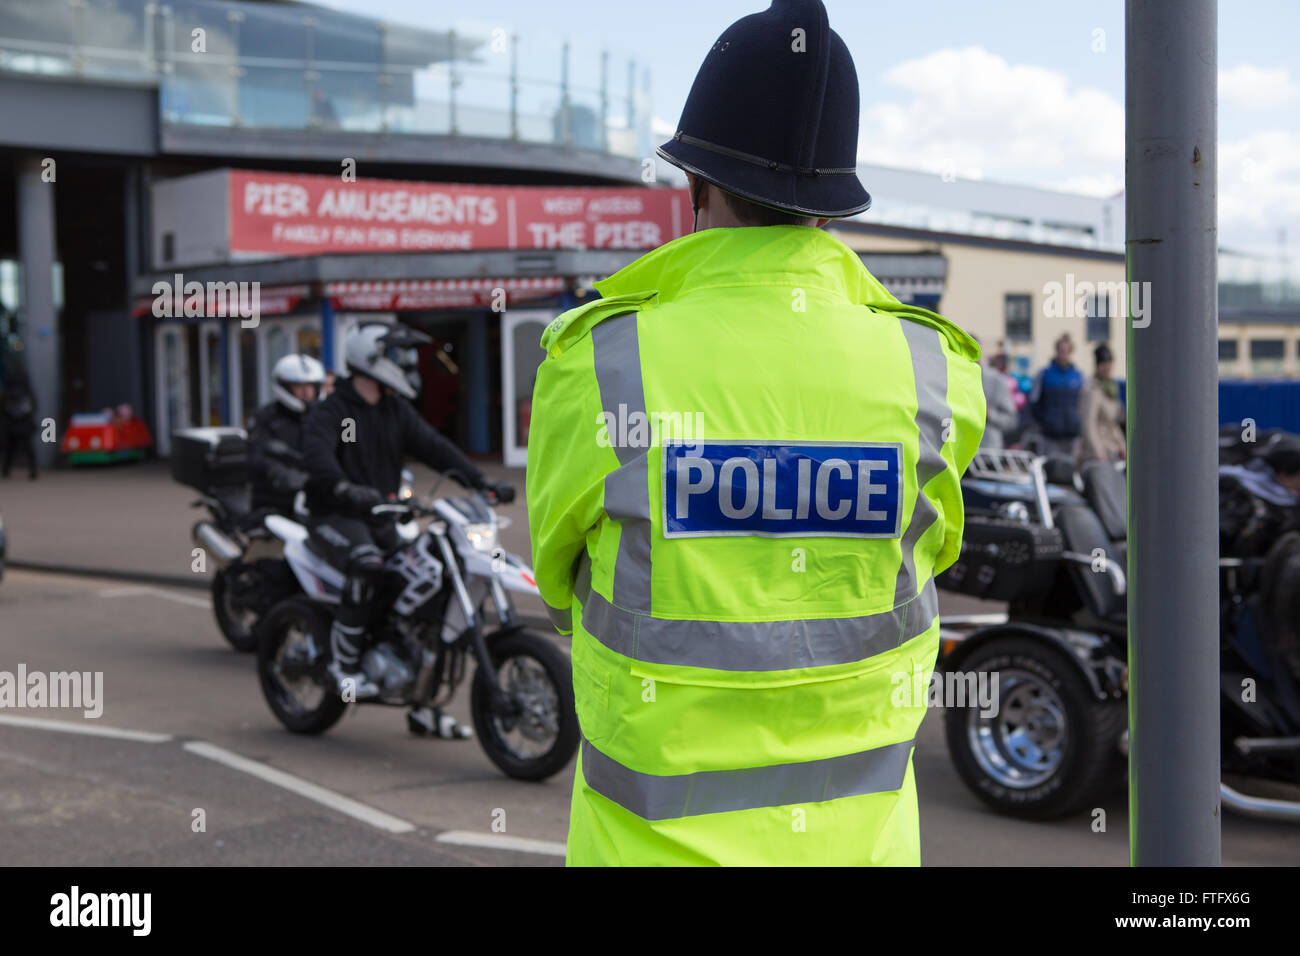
294 67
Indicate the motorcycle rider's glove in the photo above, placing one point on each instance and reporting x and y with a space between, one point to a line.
358 499
501 491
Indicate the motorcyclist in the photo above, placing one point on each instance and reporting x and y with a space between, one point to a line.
275 434
354 442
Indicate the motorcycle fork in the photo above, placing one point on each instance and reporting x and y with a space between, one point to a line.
500 701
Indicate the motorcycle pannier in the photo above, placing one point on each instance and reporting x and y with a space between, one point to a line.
1002 559
208 458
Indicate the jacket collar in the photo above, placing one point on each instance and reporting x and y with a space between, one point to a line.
796 256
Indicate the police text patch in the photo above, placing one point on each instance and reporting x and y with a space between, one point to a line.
772 490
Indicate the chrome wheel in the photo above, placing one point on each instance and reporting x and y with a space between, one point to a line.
1023 744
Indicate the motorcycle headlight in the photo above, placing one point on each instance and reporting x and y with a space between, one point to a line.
482 537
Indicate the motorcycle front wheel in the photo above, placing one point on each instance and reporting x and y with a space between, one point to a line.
537 735
292 657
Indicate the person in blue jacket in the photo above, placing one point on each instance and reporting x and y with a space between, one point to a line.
1055 402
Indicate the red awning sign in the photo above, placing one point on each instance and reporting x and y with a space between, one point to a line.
278 214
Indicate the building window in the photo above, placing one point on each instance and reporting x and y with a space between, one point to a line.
1227 350
1018 312
1099 318
1266 356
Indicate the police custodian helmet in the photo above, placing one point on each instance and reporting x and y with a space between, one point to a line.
773 114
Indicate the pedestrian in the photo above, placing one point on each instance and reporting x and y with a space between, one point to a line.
1001 418
19 421
747 594
1055 402
1101 412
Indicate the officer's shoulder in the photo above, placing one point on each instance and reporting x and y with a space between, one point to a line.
957 339
571 327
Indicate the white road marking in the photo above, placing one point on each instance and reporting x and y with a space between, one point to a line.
90 730
204 603
311 791
499 841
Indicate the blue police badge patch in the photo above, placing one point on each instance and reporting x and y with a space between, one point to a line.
776 490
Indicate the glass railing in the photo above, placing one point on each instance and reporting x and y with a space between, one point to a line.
296 67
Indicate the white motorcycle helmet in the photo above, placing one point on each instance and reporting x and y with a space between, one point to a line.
385 353
295 370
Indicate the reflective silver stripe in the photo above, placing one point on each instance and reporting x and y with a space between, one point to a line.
617 358
930 372
652 797
756 645
563 620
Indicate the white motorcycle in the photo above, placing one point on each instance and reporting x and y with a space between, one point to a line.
435 593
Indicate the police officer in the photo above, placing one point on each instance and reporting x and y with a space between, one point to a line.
746 600
275 434
354 444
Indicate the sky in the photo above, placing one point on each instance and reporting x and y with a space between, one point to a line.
1018 91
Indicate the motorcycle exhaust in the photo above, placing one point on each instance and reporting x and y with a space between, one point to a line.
1262 808
213 540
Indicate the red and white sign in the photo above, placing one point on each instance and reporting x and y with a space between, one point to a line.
278 214
407 296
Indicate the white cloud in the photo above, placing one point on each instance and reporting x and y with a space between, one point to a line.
660 128
1104 186
973 111
1256 88
1259 186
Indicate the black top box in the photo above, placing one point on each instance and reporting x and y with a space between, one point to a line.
1003 560
210 458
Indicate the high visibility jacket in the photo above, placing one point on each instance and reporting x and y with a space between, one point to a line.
743 471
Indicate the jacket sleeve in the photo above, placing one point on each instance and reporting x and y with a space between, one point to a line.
969 412
321 430
566 473
274 464
1036 397
421 440
1001 408
1092 444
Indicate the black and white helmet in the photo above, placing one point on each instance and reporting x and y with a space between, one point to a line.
295 370
385 353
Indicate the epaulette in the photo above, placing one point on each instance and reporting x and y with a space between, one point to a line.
571 326
958 338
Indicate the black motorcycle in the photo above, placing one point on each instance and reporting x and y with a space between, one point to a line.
1052 545
249 574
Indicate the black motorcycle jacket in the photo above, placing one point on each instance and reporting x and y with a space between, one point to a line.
346 439
275 457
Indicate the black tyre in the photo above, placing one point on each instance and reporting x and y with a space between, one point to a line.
1048 750
292 657
237 625
538 735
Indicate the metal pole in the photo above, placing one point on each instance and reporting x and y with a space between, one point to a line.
1171 160
514 86
564 94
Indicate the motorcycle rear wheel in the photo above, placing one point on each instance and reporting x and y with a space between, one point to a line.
292 656
540 739
1049 750
237 626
